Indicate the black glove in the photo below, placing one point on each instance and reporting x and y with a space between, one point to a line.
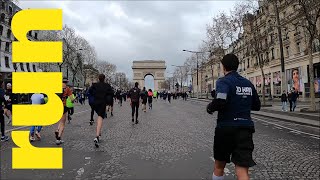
209 108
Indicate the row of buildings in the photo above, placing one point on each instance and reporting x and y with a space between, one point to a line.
7 10
260 27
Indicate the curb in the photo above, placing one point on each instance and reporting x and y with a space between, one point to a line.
266 116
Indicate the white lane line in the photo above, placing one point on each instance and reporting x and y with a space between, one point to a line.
22 127
314 137
292 130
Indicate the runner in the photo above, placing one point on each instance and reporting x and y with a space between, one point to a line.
155 94
144 97
10 99
70 106
234 100
83 96
36 99
101 92
134 95
91 103
66 92
119 97
150 96
2 124
110 101
169 97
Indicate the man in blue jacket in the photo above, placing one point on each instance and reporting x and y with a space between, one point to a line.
234 99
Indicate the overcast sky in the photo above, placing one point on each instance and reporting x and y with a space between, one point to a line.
123 31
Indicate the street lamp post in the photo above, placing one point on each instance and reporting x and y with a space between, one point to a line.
197 52
207 96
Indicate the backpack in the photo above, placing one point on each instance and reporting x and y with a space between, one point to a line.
135 94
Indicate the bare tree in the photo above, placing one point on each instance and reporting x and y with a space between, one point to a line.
309 12
108 69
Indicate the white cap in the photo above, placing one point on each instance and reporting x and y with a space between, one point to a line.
9 85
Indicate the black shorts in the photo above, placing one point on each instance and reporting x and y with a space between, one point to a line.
234 142
9 107
65 109
100 109
110 103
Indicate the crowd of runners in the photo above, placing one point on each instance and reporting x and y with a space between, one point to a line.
234 99
101 97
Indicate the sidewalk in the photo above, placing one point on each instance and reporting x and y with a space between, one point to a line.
311 119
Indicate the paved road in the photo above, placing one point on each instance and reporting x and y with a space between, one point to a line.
172 141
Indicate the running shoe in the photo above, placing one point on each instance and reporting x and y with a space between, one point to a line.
5 138
58 142
111 113
96 142
137 121
32 138
91 122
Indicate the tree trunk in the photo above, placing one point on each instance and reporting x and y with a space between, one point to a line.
311 75
263 87
212 76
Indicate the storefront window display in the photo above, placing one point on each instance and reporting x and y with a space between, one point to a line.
294 78
258 84
277 83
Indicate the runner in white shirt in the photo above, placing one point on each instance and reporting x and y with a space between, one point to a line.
36 99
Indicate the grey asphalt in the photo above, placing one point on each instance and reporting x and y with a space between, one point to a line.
172 141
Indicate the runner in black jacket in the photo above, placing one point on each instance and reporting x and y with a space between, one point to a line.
134 95
101 91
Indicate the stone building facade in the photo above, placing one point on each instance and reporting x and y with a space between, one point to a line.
260 29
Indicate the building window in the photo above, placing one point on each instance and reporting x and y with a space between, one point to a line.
287 51
272 53
6 59
28 67
298 47
248 64
7 47
1 30
34 68
9 34
21 67
3 16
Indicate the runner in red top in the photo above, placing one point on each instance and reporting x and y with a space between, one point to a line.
66 93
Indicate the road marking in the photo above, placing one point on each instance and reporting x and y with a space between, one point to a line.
292 130
22 127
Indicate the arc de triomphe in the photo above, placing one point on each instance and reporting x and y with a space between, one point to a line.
149 67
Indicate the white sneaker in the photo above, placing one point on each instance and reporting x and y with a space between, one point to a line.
32 138
96 142
58 142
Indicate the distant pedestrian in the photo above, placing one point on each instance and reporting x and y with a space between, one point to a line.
169 96
90 96
110 101
83 96
134 95
150 96
290 100
2 124
144 98
294 97
235 98
284 100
